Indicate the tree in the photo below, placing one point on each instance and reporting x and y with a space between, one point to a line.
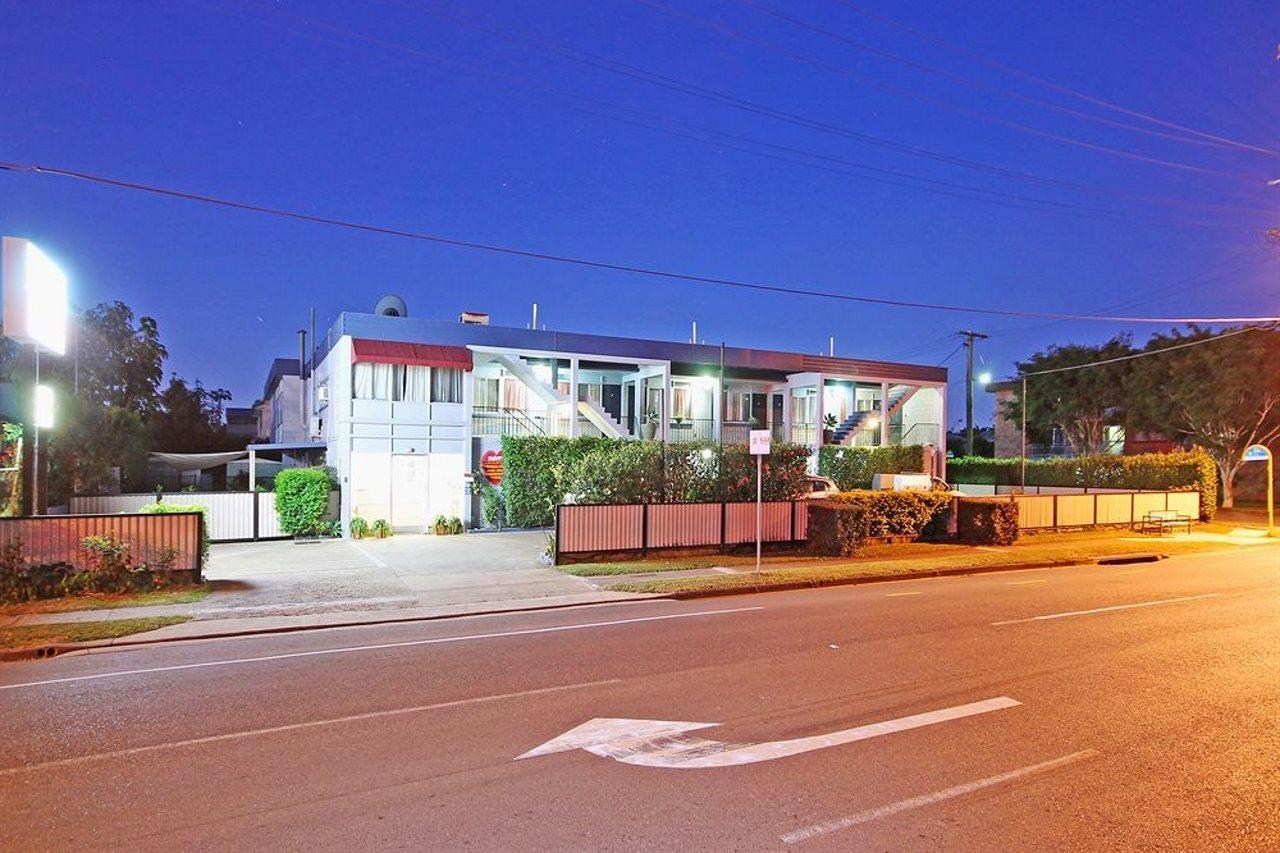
1223 395
1082 403
90 441
120 364
190 418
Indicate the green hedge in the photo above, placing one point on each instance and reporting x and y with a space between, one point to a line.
853 467
836 529
987 521
1191 469
161 508
896 513
302 500
539 471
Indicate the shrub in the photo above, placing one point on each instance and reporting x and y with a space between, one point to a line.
160 508
359 527
837 529
380 529
491 509
1192 470
302 500
541 470
904 513
853 467
987 521
447 525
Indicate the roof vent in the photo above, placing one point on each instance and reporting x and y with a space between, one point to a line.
474 318
391 306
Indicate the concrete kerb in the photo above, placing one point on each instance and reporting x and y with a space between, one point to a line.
56 649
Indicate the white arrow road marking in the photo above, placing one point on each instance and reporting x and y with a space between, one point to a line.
664 743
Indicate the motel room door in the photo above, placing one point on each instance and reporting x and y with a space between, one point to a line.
409 484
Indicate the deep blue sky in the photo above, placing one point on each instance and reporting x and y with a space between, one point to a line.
379 112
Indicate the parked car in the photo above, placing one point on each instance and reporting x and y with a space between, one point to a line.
821 487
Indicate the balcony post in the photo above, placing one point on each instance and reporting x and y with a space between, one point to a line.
884 413
573 397
664 417
717 412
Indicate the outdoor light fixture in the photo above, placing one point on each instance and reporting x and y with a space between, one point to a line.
984 378
706 453
43 414
35 297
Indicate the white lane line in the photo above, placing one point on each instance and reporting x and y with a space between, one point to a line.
810 832
900 594
377 646
1024 583
292 727
1108 609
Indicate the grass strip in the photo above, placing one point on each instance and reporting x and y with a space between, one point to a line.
104 601
26 636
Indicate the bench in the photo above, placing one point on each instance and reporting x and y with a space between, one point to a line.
1162 521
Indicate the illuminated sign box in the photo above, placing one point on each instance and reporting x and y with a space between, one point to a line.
35 297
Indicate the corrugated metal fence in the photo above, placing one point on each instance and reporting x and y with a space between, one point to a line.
587 528
232 516
1038 512
151 538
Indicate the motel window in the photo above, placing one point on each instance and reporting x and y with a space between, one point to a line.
486 393
372 381
680 401
446 385
738 407
413 388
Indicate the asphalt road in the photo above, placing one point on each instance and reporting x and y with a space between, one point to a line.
1086 708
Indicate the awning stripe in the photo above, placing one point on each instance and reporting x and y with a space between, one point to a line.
397 352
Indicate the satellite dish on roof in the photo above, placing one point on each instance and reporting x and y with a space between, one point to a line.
391 306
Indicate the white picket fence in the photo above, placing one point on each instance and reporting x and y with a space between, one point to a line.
230 515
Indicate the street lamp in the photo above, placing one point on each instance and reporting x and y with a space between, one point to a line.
984 378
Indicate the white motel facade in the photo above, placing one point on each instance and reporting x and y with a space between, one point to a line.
407 407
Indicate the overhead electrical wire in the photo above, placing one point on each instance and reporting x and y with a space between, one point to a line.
975 56
894 177
652 272
876 83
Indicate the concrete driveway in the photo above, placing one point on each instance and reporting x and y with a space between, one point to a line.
476 571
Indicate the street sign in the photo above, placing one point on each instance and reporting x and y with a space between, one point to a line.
1259 453
761 441
1256 453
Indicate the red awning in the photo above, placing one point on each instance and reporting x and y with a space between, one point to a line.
394 352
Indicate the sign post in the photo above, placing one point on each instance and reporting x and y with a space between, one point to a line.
1259 453
761 441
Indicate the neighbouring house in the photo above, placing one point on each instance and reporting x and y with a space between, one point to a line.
281 415
241 424
408 408
1008 432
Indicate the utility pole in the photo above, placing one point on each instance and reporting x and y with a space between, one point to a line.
969 337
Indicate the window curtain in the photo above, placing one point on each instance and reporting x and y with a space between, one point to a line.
446 385
382 381
416 384
362 381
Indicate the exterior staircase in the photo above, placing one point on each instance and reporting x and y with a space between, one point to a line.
601 418
590 409
898 397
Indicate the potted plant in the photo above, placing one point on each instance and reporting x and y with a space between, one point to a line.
649 426
380 529
828 429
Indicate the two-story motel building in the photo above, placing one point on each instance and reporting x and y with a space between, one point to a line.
406 407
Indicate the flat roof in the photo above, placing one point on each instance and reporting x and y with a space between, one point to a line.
427 330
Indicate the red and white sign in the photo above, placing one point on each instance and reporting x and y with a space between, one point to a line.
491 466
761 441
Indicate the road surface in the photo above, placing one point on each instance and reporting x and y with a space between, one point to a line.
1083 708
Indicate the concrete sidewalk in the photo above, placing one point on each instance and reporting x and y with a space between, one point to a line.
284 586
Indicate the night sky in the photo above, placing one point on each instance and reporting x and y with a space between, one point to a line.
476 121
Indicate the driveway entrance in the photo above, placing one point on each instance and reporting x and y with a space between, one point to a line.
472 572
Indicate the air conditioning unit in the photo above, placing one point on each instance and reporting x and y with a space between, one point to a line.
317 427
322 394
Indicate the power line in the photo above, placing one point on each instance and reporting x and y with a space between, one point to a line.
591 263
894 177
956 78
1049 84
670 83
